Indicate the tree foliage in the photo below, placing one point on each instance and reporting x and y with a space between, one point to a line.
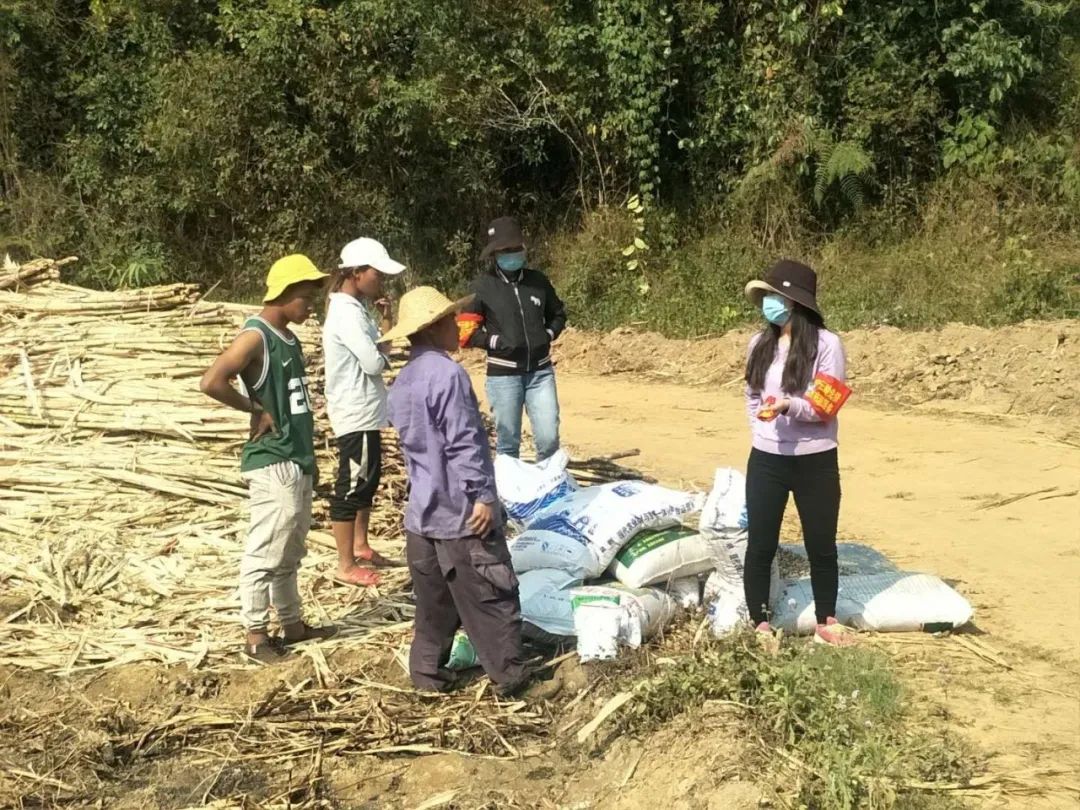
200 138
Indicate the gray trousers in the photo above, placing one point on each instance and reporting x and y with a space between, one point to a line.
280 502
470 583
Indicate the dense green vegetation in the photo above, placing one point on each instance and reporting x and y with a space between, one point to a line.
924 154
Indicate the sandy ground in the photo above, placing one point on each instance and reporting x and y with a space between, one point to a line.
956 484
933 493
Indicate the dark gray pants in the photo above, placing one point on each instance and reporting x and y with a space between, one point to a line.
470 583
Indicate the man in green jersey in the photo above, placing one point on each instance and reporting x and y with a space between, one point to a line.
278 461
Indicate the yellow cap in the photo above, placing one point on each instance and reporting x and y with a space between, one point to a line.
288 271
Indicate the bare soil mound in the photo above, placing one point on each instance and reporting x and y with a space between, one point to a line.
1027 369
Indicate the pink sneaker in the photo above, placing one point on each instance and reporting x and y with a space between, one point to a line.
834 634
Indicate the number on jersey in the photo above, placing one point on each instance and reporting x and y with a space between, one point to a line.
298 396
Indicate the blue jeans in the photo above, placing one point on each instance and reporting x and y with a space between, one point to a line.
536 392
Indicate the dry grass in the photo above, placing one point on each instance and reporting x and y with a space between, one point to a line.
122 516
121 507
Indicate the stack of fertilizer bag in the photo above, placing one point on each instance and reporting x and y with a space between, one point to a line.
610 564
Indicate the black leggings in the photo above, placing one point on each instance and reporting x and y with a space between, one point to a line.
815 482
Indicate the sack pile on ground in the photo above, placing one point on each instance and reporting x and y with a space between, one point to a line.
613 563
585 557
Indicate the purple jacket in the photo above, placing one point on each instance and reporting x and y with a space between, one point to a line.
800 431
447 453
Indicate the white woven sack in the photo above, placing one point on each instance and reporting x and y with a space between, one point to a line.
658 556
645 611
890 602
605 517
527 489
545 600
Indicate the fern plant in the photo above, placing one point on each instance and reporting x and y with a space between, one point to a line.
844 163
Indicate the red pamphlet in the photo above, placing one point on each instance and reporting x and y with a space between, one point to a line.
827 395
467 324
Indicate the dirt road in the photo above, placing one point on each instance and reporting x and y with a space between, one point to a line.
928 491
989 504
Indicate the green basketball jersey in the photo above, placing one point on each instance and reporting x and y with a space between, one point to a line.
282 392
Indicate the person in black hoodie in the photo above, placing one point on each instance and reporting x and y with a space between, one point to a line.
518 316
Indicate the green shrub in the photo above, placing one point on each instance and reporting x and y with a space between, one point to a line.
828 729
199 140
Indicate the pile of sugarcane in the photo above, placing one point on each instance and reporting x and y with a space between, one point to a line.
605 470
13 276
122 512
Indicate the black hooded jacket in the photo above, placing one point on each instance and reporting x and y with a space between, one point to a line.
522 316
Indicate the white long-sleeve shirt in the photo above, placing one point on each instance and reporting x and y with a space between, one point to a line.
355 391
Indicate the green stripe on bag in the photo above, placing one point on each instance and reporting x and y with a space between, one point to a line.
651 540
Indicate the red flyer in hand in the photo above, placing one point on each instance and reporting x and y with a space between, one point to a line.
467 324
767 412
827 395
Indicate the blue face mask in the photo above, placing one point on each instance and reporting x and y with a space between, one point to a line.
511 262
775 309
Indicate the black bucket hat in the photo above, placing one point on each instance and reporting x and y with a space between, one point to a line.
503 233
793 280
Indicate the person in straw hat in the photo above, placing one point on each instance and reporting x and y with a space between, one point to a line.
794 386
356 400
454 541
278 461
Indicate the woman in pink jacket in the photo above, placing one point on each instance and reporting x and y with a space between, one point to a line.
794 386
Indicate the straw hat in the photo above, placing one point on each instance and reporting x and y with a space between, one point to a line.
420 308
793 280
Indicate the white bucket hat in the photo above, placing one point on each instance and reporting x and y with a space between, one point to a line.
369 253
420 308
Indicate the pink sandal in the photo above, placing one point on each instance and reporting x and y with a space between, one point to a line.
834 634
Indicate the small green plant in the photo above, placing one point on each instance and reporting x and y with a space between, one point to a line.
138 271
969 142
635 263
846 164
121 268
829 725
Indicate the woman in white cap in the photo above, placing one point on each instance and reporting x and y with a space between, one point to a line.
356 400
794 385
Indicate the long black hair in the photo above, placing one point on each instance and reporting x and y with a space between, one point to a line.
799 368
